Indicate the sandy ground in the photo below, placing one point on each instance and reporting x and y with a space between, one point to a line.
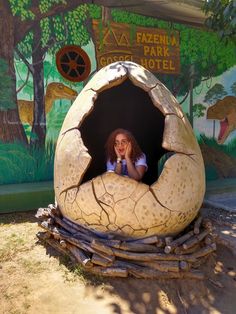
34 279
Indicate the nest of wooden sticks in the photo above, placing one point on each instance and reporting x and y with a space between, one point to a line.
116 256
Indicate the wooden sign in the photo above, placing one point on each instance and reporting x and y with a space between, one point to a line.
155 49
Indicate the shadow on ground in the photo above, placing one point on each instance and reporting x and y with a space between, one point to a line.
215 294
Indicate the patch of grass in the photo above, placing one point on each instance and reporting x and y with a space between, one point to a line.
11 246
17 218
8 296
26 306
31 266
87 277
76 272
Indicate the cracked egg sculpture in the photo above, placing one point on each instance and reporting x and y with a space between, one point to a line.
126 95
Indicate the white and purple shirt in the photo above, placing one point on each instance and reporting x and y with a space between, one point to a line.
139 162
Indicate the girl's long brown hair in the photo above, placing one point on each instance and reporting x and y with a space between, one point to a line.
110 152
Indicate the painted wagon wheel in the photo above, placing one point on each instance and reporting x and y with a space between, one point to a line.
73 63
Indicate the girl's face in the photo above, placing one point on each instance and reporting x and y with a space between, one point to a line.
121 143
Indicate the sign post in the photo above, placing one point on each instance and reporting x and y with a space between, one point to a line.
155 49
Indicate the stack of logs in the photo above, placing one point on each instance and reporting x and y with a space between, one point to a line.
113 255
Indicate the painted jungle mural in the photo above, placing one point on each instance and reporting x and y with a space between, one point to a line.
198 68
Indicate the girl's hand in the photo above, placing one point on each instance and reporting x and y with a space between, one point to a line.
117 152
128 151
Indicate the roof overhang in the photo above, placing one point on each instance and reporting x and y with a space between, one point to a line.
185 12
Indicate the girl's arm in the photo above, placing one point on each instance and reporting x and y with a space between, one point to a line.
118 167
135 172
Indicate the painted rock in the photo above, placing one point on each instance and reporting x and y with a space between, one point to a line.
113 203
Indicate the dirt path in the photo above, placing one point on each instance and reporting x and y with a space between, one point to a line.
34 279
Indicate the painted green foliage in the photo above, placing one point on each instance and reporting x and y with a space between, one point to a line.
19 164
203 49
216 92
198 47
63 29
198 110
22 9
222 18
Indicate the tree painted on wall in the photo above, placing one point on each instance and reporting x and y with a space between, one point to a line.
18 19
6 93
47 36
215 93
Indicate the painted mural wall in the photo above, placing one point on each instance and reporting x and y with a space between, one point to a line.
47 57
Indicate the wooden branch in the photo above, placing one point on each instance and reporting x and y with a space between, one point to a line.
197 225
54 243
148 273
164 266
63 243
80 256
79 244
192 249
88 248
183 265
155 274
111 243
56 232
114 255
43 235
174 244
205 251
81 228
168 240
54 210
100 246
160 243
193 275
130 246
137 256
199 262
110 271
99 260
195 239
146 240
206 223
151 256
76 232
138 247
50 221
209 240
66 226
42 213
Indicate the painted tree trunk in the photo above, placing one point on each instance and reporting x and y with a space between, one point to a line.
38 132
11 128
